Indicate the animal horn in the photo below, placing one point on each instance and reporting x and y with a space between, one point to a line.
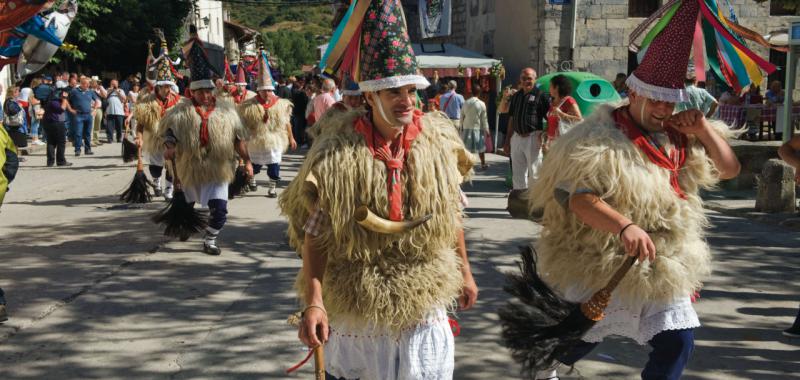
374 223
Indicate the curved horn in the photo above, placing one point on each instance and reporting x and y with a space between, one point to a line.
374 223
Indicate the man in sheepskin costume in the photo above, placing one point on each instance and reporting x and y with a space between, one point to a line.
149 110
375 213
626 182
268 121
203 135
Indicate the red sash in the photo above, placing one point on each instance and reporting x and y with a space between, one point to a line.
393 154
204 116
672 161
167 103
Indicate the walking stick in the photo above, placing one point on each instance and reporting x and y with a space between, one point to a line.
319 362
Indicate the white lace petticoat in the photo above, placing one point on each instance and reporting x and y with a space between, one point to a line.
640 323
424 352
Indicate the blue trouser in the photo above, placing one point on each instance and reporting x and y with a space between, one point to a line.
81 124
156 171
218 213
273 171
671 351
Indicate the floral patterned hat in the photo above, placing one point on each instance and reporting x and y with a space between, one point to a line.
371 45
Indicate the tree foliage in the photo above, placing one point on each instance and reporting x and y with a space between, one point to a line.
112 35
293 48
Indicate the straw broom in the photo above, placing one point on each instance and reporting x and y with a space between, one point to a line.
542 327
179 217
138 191
239 184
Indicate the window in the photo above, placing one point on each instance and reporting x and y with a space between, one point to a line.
778 58
783 8
642 8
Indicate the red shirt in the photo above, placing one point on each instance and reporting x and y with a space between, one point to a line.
552 116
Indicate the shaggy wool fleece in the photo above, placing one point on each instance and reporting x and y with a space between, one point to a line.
274 134
147 113
213 163
389 280
595 155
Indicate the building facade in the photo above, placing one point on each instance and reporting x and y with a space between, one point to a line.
579 35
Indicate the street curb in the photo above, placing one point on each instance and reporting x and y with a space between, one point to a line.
786 220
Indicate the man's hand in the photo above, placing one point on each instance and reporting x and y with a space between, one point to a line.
248 167
169 152
638 243
507 148
138 141
313 329
689 122
469 293
292 143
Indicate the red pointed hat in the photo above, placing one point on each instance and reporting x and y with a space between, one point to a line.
661 74
241 78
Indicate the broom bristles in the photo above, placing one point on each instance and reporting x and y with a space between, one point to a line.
138 191
239 184
129 150
540 327
180 218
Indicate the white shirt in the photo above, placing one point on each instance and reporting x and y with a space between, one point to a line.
115 99
473 115
24 94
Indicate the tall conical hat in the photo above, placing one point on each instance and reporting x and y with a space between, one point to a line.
229 78
163 67
371 45
715 42
241 76
264 80
201 69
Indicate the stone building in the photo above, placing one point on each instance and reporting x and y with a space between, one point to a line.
540 33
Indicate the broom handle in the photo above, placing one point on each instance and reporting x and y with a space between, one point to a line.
620 273
175 181
319 363
139 164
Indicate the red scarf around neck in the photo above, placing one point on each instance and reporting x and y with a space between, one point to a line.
267 104
167 103
205 114
672 161
394 154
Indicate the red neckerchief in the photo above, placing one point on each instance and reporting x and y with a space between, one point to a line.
267 104
672 161
204 115
393 154
166 104
239 96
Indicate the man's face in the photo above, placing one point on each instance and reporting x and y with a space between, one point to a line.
648 113
84 84
352 101
203 96
397 104
219 83
73 82
114 83
265 94
163 91
526 79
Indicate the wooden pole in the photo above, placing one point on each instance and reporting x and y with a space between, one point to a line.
319 363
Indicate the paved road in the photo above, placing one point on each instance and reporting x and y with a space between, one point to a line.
95 292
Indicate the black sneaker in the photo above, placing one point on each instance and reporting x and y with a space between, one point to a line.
792 332
65 164
77 154
3 313
157 192
89 152
49 164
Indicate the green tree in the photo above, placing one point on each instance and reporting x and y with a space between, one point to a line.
112 35
293 48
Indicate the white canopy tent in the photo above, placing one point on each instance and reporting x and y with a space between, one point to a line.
446 58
